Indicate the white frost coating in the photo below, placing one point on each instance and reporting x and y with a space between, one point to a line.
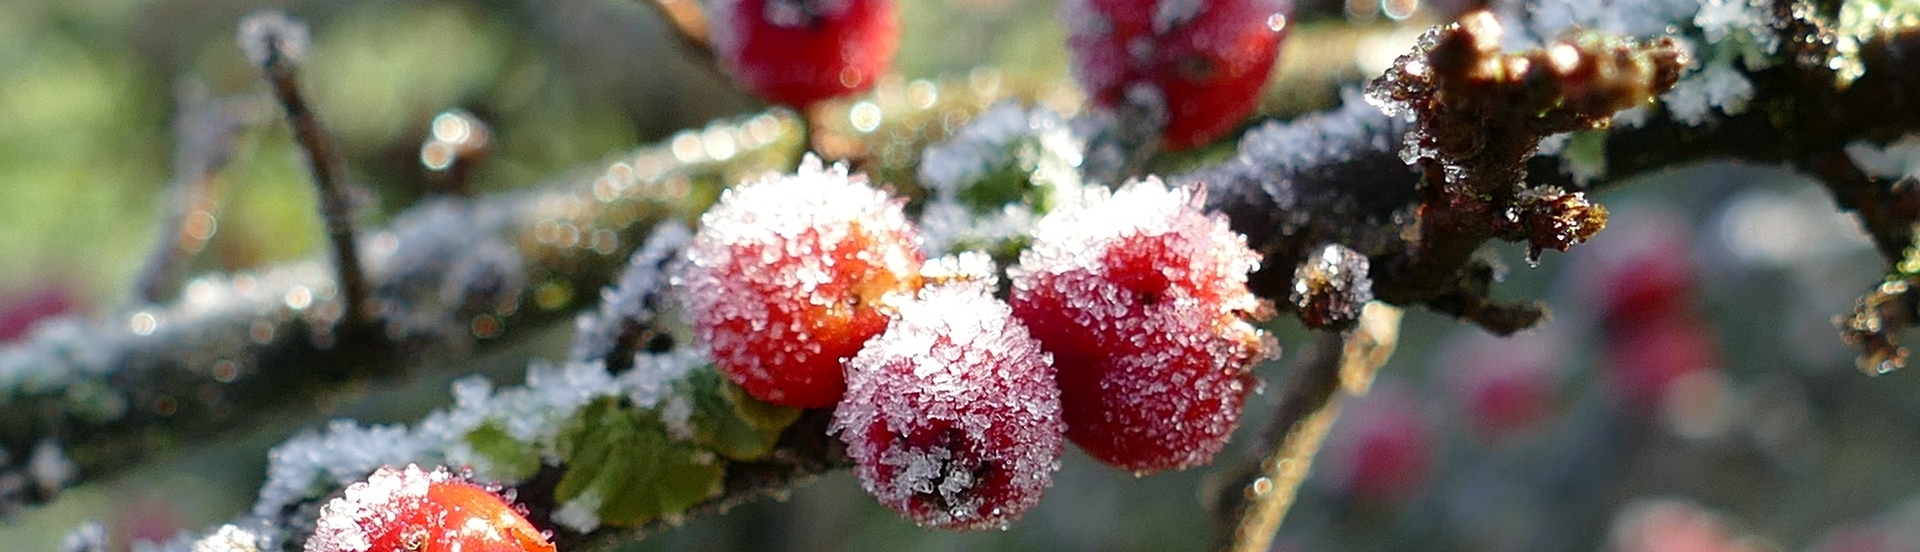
229 538
90 536
1899 159
1140 295
310 464
1733 35
580 514
373 502
1174 13
952 415
769 247
1005 138
1545 20
627 301
1715 86
258 28
49 467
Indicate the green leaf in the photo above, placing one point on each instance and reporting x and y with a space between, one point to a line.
622 455
730 423
506 458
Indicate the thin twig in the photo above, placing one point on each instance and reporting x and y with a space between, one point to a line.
1307 409
275 43
204 130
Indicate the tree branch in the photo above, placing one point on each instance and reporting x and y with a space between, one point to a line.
446 275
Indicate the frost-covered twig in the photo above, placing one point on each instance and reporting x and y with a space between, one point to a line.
1267 486
446 275
276 44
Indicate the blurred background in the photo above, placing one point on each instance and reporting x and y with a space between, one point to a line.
1689 395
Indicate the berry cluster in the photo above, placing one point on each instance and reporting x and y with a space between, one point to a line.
411 509
1127 332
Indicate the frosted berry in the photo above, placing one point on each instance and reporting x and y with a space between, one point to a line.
410 509
952 415
785 277
797 52
1142 300
1207 59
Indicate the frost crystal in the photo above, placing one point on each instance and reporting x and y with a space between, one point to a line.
374 502
785 277
229 538
990 178
262 33
312 463
1142 300
631 305
1899 159
952 414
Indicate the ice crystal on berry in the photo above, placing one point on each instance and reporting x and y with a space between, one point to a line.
952 415
785 278
413 509
1142 300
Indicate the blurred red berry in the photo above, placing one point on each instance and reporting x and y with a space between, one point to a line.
1642 362
410 509
785 277
952 415
1381 449
1504 385
797 52
1142 300
1207 59
19 313
1642 269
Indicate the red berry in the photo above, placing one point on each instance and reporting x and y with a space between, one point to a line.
785 277
1643 362
1643 271
1381 450
797 52
21 313
1505 385
405 510
1142 300
1207 59
952 415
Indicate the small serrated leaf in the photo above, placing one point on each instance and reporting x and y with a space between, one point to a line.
507 459
623 456
730 423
